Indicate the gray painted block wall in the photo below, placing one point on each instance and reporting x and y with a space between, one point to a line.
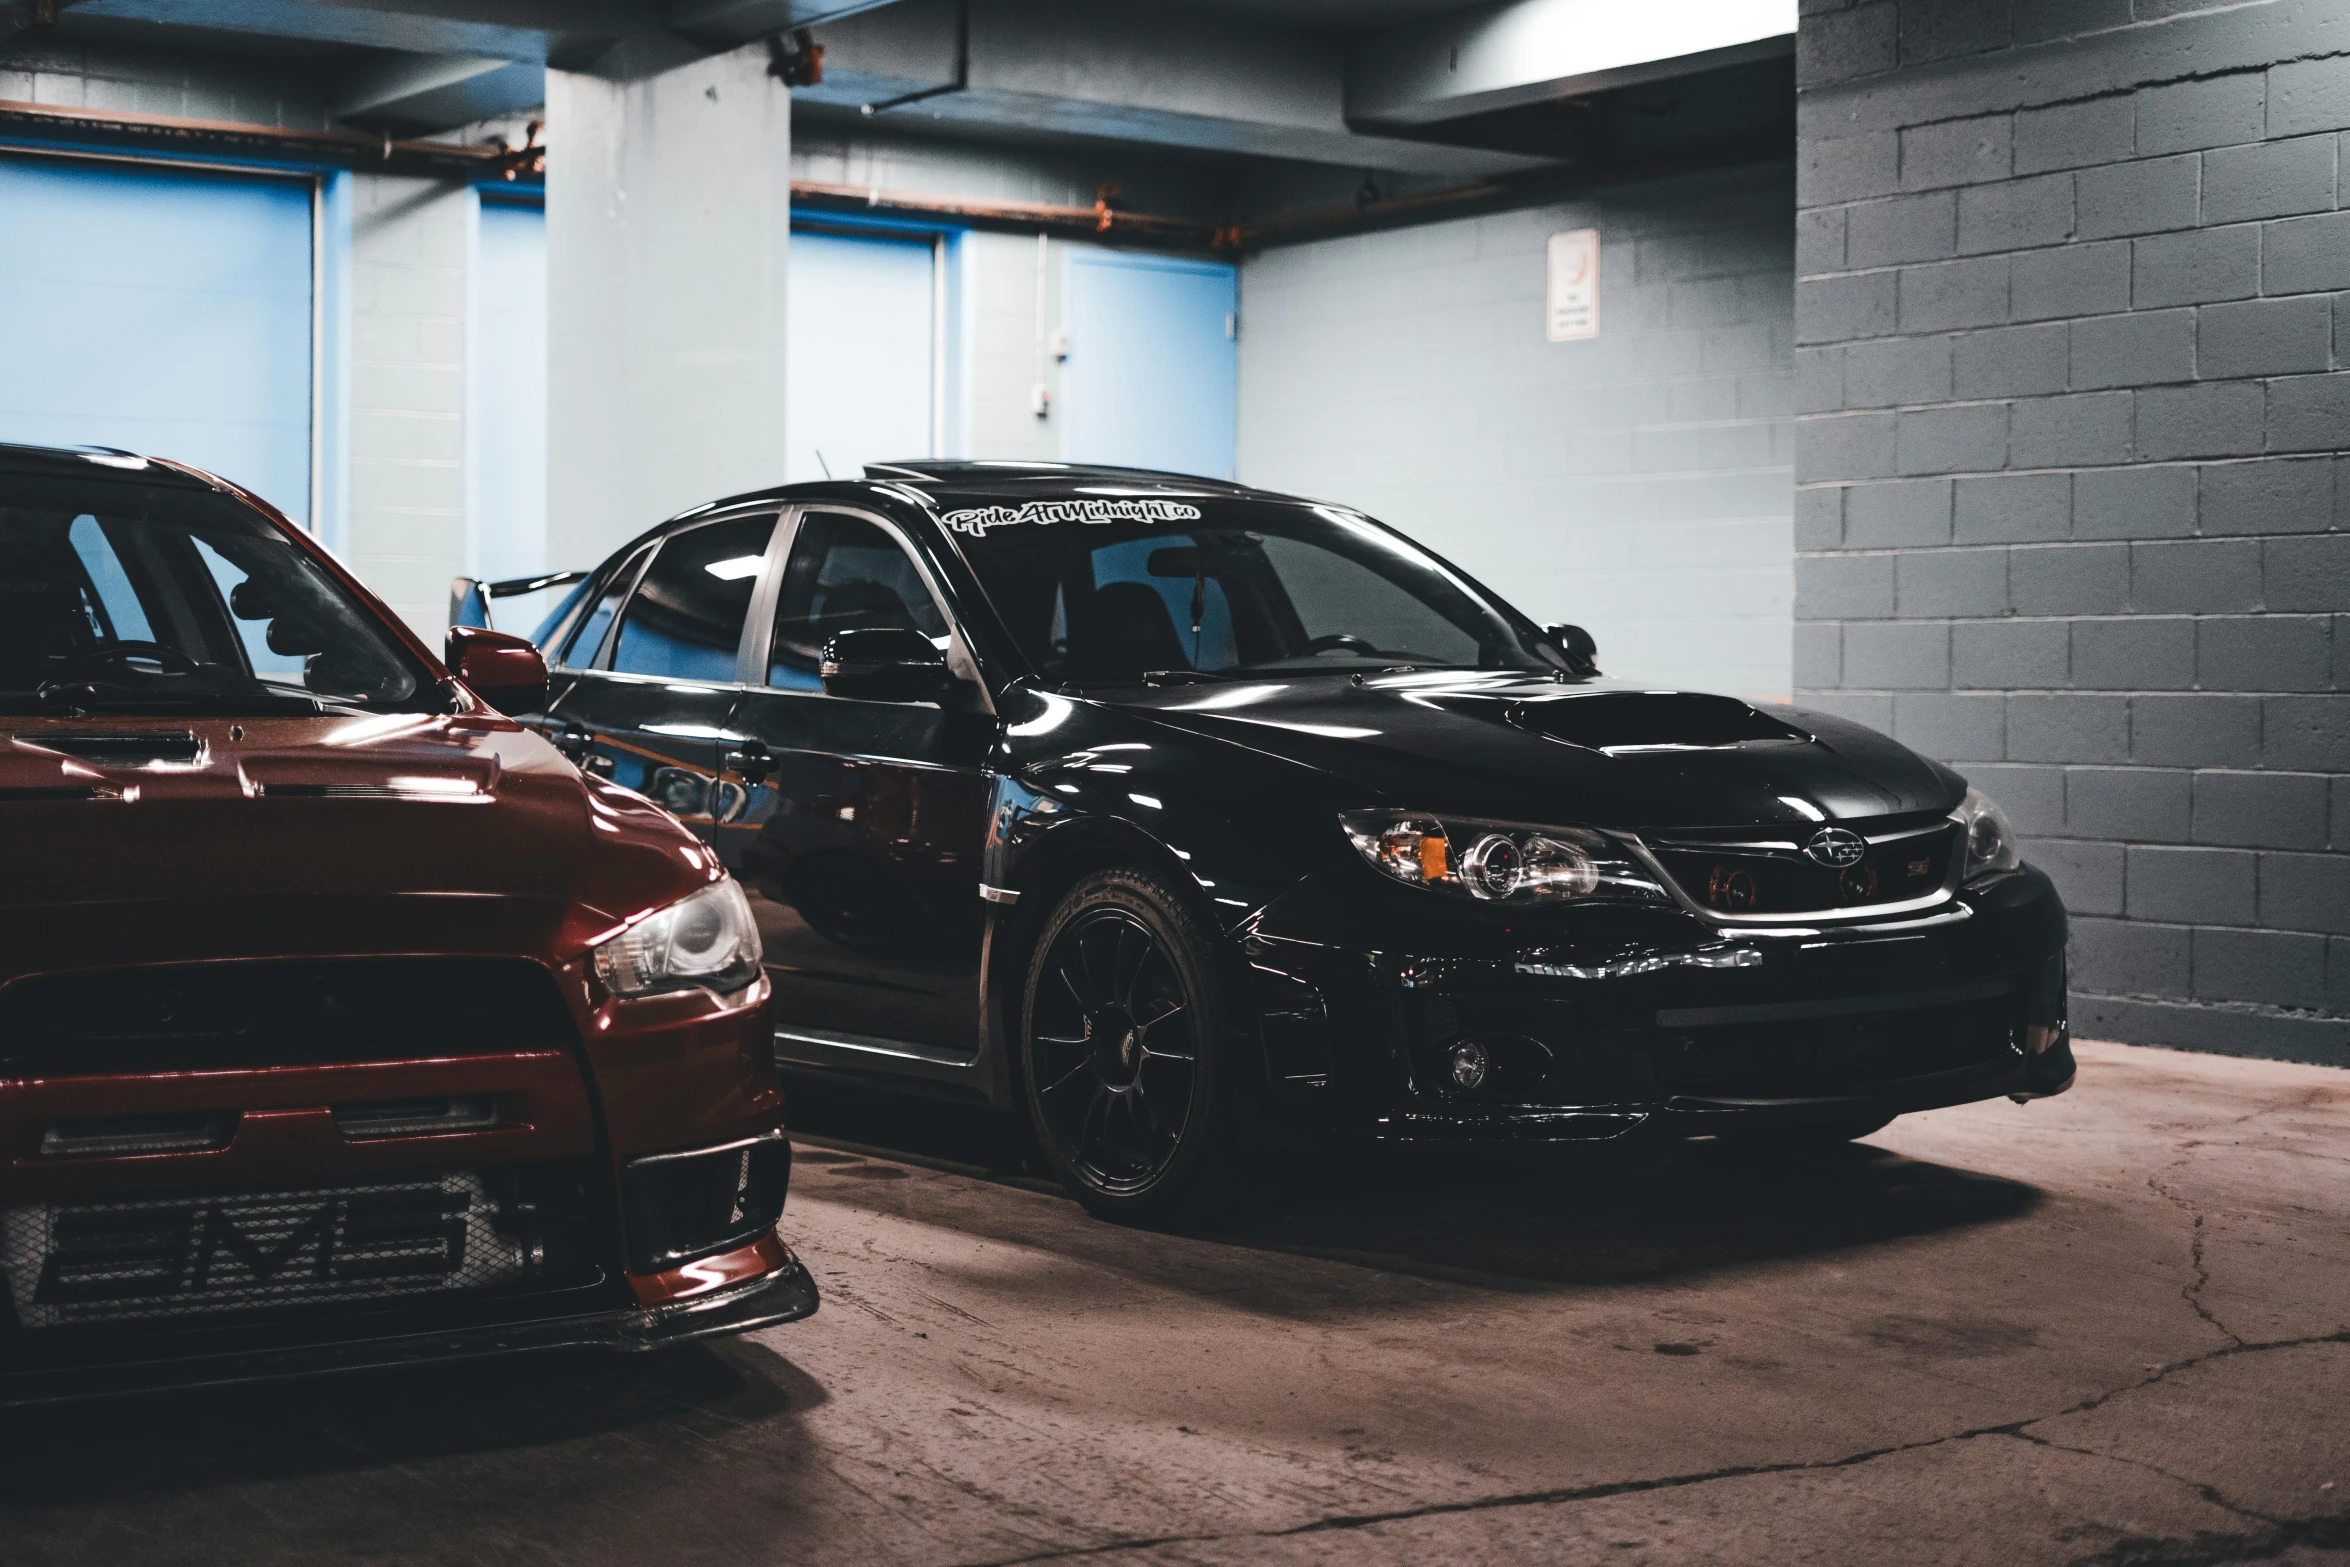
1638 482
2074 367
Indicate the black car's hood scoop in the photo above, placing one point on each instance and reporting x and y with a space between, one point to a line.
1523 746
1623 723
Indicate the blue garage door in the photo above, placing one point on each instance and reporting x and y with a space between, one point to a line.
859 350
162 311
1152 376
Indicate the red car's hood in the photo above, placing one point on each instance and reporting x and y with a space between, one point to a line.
126 841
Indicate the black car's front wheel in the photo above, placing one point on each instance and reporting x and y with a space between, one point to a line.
1123 1049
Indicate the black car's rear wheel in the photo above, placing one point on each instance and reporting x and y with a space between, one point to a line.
1123 1049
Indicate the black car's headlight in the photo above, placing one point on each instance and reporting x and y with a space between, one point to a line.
708 941
1990 840
1500 862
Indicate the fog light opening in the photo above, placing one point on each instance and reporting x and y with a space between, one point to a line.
1468 1064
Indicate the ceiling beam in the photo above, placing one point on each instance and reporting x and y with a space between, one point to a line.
613 37
1123 70
425 93
1526 51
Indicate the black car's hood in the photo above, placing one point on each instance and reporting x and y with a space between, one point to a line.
1527 747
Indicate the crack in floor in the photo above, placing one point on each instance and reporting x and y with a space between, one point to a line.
2192 1294
2287 1532
2204 1489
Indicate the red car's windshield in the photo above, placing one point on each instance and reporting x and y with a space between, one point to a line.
123 597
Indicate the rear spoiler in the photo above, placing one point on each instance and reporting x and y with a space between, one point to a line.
470 597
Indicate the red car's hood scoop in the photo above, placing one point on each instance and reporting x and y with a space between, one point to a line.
319 810
187 840
409 758
127 748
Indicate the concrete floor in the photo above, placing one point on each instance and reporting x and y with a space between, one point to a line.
2109 1328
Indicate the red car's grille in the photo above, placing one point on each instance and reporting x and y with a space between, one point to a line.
216 1016
432 1237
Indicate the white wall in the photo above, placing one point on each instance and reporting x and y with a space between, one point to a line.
1638 483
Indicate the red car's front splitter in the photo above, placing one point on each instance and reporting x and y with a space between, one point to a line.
764 1284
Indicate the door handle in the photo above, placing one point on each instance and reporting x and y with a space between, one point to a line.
751 761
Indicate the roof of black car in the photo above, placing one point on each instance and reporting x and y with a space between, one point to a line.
966 474
950 481
90 462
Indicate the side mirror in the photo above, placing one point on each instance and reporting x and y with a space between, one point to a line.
507 672
1578 644
883 664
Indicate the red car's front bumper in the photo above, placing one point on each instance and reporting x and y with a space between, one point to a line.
291 1196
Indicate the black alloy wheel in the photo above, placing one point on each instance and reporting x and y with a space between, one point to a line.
1123 1051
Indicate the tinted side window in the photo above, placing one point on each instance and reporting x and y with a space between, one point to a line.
590 636
687 616
844 572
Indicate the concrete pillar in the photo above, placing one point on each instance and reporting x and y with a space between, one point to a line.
668 224
406 531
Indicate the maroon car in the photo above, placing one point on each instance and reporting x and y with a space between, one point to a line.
342 1021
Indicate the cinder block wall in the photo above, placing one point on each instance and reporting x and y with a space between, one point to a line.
1638 482
2074 366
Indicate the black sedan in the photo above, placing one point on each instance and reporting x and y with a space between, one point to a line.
1146 806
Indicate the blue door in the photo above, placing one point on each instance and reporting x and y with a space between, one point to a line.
1152 379
860 353
160 310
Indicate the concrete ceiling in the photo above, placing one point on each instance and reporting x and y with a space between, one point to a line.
1339 15
1363 84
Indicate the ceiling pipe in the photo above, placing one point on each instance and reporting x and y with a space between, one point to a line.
1099 221
271 143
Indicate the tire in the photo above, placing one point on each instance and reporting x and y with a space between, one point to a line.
1125 1053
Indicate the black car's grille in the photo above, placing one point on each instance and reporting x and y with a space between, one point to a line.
1741 879
461 1233
213 1016
1838 1055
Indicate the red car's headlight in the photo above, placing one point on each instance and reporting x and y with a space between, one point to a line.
708 941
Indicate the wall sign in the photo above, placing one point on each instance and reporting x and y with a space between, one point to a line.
1574 285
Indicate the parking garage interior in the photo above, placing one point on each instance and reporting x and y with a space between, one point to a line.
1977 371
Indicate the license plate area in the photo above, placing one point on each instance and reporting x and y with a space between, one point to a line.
188 1257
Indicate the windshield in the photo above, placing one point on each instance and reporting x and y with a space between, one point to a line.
128 598
1228 586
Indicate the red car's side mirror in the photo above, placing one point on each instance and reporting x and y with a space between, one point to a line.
507 672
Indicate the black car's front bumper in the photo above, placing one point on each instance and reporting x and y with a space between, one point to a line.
97 1366
1600 1022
